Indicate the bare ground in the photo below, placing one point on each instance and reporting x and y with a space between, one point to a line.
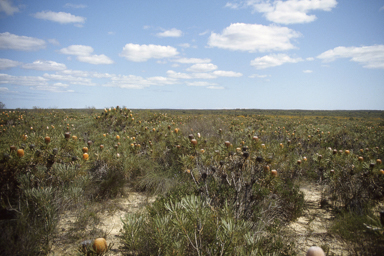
311 229
107 224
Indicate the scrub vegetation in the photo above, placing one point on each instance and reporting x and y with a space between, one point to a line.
227 182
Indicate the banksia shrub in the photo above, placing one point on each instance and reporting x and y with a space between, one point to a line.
178 227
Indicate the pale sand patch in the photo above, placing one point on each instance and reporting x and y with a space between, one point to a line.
110 223
311 229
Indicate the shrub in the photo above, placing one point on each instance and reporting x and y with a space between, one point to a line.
192 226
364 232
355 189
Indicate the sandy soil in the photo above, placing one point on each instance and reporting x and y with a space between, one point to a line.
109 223
311 228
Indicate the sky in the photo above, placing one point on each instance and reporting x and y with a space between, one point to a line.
192 54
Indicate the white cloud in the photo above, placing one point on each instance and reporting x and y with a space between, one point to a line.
60 17
216 87
258 76
273 60
138 82
56 87
81 73
310 59
204 33
254 38
200 83
232 5
6 63
307 71
178 75
53 41
185 45
78 50
368 56
23 80
102 75
160 80
45 65
77 73
7 7
191 60
20 43
4 89
202 67
76 6
227 73
95 59
51 88
205 84
202 75
171 33
290 11
83 53
140 53
60 85
69 78
77 76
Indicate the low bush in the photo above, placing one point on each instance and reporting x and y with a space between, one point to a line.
192 226
363 232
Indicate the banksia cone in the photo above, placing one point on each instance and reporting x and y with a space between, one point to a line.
100 245
20 152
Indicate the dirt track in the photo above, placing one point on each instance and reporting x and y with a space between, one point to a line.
311 228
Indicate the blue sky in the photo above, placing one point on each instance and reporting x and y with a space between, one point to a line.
263 54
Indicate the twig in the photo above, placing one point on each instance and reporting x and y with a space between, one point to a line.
193 177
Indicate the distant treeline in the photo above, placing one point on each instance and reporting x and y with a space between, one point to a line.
272 112
247 112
